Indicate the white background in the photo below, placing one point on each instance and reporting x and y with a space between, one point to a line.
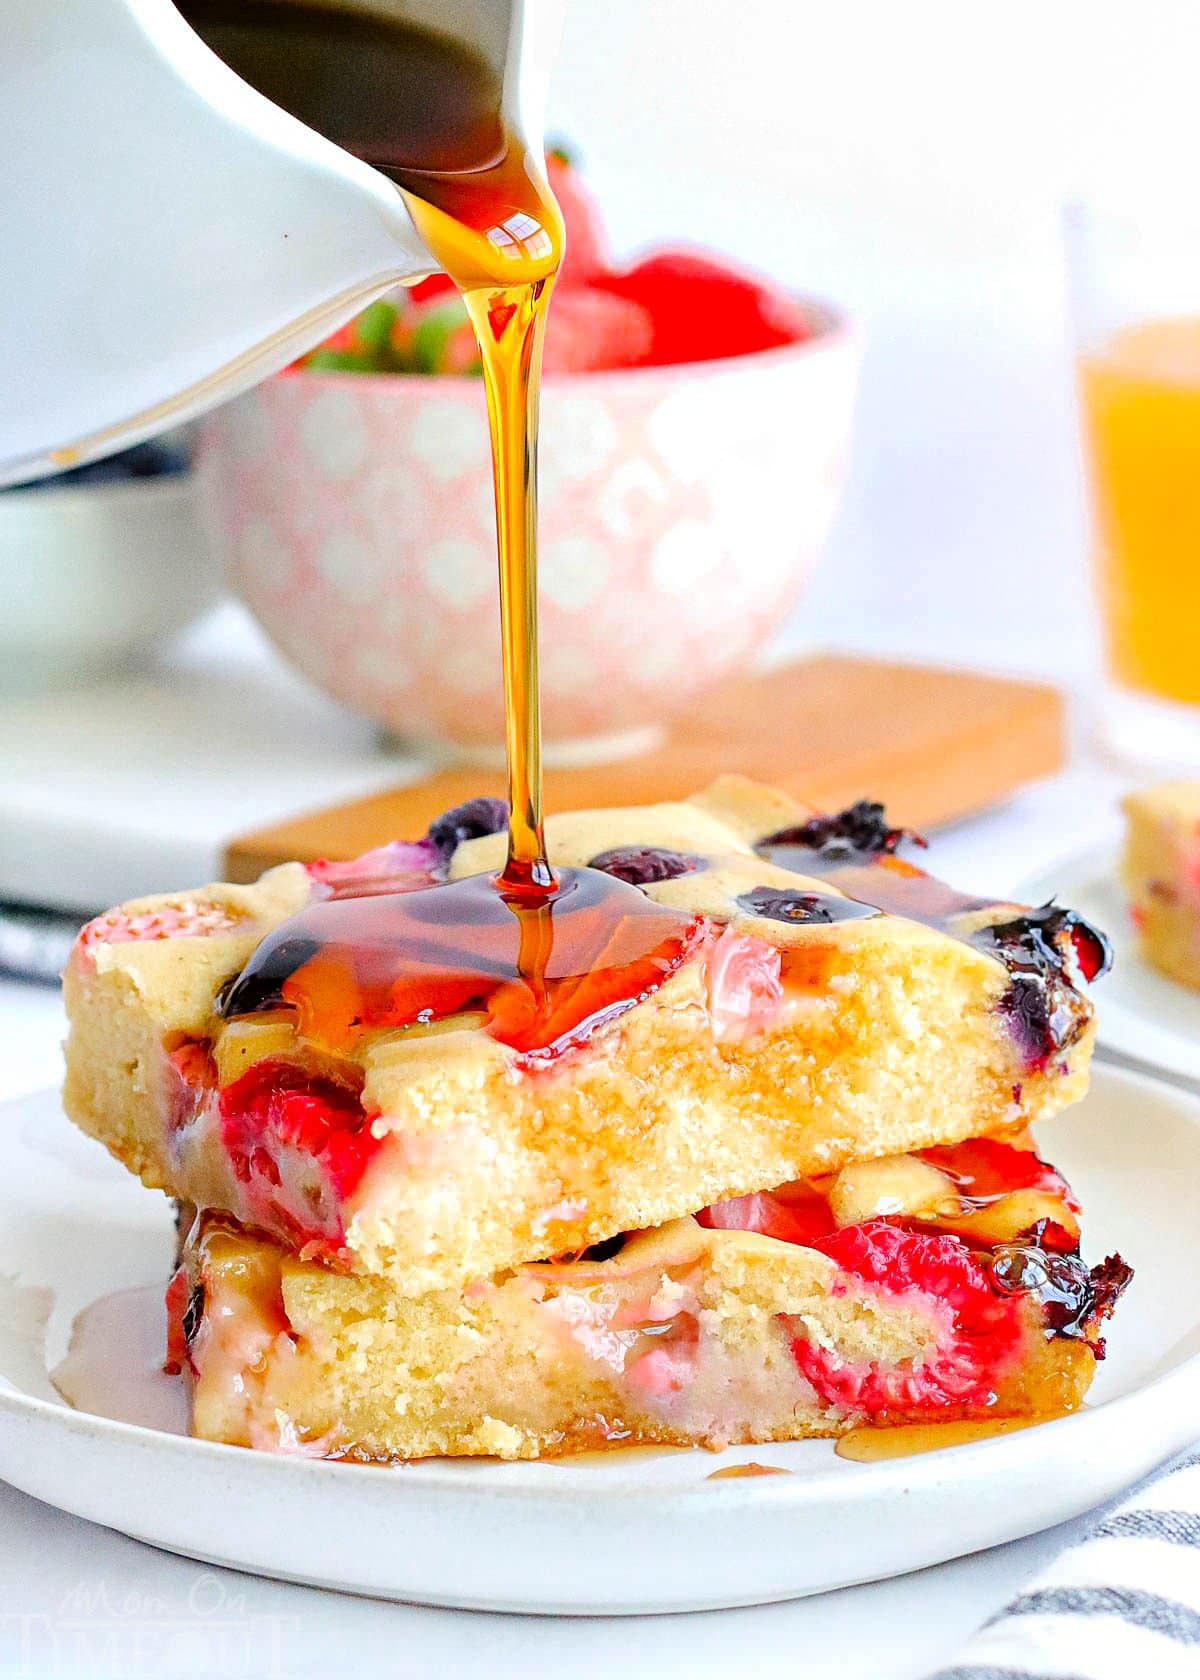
909 161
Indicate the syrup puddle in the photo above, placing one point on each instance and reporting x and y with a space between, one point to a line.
906 1440
616 1454
113 1368
748 1469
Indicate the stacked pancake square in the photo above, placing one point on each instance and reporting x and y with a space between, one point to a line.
773 1179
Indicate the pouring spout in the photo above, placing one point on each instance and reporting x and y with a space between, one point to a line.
179 234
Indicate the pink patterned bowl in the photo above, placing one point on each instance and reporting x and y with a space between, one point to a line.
682 511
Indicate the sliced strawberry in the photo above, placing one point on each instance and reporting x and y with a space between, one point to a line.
178 1291
668 1366
395 867
703 309
745 988
189 919
976 1332
587 254
794 1213
189 1079
541 1021
591 329
298 1145
193 1061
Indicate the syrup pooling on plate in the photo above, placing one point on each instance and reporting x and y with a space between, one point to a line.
873 1444
544 969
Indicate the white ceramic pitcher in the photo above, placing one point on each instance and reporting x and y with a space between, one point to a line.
168 236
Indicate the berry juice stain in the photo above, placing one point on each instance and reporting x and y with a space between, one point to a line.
543 969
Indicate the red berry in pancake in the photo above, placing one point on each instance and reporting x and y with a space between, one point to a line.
543 1022
298 1144
975 1332
745 990
189 919
794 1213
395 867
177 1295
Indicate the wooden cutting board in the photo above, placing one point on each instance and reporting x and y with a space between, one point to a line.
932 743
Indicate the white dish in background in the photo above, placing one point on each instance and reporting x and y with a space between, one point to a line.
633 1533
1140 1013
93 576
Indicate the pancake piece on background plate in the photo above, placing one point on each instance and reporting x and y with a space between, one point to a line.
1160 871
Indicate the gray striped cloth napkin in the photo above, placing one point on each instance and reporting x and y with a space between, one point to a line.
1122 1604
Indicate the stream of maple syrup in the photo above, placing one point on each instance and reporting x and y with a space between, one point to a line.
427 111
542 957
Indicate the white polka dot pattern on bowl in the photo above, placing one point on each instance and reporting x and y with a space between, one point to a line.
682 511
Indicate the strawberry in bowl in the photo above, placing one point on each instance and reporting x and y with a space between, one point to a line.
673 305
695 425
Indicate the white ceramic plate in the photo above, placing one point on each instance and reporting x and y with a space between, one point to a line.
638 1533
1140 1013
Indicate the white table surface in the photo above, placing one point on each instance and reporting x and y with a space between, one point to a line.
76 1600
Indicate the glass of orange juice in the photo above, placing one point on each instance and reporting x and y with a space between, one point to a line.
1136 294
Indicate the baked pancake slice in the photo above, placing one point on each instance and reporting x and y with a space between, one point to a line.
1160 871
391 1067
765 1320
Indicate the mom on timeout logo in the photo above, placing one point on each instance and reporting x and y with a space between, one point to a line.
94 1629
